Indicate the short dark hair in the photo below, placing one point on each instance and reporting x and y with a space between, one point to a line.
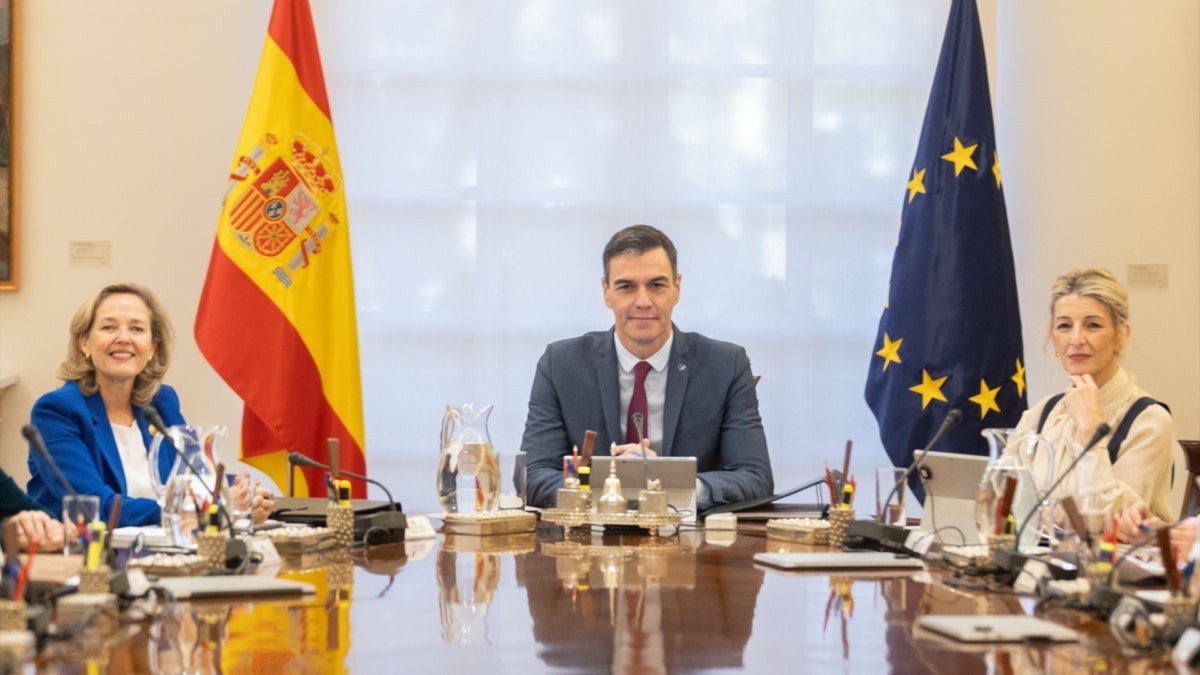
638 239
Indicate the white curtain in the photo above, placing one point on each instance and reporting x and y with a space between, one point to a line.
491 147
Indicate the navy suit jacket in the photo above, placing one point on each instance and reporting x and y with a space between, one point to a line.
711 413
80 438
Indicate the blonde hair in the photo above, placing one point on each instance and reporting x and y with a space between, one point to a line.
78 368
1097 283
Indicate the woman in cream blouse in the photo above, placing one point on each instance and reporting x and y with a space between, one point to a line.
1089 328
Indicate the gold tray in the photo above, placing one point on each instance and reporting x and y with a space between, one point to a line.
511 521
782 529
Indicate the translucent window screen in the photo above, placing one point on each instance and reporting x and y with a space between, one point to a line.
491 148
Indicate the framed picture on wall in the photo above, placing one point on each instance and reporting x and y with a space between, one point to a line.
9 252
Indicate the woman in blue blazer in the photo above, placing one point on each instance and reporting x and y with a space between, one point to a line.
95 425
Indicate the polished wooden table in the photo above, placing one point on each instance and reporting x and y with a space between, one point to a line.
545 602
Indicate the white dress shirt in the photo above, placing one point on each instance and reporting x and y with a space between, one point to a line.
656 389
135 460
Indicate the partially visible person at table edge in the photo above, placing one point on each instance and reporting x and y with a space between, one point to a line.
33 523
118 351
1089 327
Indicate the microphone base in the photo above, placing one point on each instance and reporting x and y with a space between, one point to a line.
874 536
236 553
1103 598
385 527
1009 563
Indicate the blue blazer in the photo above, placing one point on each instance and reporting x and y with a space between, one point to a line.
77 432
711 413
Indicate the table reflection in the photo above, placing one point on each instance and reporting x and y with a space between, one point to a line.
548 602
640 603
468 572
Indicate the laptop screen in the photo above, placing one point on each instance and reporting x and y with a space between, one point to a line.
677 475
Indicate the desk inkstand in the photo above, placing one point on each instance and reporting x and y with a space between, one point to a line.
574 508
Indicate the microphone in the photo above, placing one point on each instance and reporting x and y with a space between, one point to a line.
638 422
1013 560
391 523
875 533
1101 432
35 439
301 460
154 418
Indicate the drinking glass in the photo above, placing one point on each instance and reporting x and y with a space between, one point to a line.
512 480
889 481
78 512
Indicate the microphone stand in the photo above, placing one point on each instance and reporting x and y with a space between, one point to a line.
1012 561
390 524
34 437
296 459
878 535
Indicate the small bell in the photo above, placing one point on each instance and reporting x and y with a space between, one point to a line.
612 501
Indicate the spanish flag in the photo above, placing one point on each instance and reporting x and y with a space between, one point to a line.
276 317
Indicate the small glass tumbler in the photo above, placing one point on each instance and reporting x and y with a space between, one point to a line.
891 496
78 512
512 480
241 503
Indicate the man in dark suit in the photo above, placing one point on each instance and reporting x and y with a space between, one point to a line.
696 395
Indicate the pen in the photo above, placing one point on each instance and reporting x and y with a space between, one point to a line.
23 577
1108 548
214 518
195 504
344 492
847 496
1010 491
251 489
218 483
114 515
95 544
1168 560
589 444
846 460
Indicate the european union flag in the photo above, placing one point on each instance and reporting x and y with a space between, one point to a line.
950 335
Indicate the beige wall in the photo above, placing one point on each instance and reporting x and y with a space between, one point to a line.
130 111
1098 117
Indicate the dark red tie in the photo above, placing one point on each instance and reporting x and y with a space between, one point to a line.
637 403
